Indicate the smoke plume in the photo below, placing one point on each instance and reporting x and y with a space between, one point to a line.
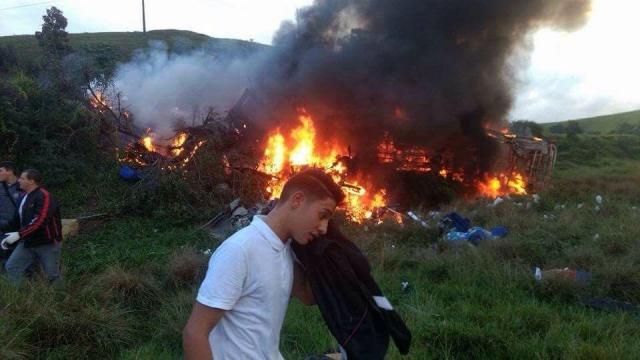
423 71
160 87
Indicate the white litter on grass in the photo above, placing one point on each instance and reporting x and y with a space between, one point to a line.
538 274
597 208
596 236
393 246
416 218
536 198
207 252
580 205
599 199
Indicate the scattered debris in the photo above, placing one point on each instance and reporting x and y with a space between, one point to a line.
235 217
70 228
405 287
583 278
608 304
596 236
457 230
128 173
537 274
453 221
417 219
496 202
536 198
577 276
476 234
598 199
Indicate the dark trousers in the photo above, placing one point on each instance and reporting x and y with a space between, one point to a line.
48 255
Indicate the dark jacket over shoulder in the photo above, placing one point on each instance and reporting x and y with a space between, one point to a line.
40 222
350 301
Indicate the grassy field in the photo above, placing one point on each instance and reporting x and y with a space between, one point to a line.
602 124
123 44
130 282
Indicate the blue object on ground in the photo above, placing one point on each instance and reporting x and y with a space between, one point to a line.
128 173
457 222
499 231
478 234
475 235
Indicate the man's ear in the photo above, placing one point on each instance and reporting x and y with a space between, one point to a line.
297 199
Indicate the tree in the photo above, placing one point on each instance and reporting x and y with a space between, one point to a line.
558 129
58 74
573 128
8 58
53 38
627 128
100 62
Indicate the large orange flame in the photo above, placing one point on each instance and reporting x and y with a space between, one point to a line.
177 144
494 186
284 156
147 141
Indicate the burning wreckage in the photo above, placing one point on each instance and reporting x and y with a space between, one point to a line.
400 102
524 164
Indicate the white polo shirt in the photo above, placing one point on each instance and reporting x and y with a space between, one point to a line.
250 275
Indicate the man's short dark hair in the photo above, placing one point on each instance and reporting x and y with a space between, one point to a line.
315 184
33 174
9 166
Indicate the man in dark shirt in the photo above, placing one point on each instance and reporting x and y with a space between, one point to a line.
40 235
9 199
9 196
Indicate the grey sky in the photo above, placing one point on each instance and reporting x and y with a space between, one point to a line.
589 72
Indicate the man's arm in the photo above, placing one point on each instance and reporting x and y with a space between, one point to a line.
195 336
301 286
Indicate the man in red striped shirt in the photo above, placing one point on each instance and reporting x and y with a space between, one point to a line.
40 235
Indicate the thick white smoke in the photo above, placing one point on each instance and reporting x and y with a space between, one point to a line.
160 87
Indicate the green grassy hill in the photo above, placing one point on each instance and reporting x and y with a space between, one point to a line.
124 43
602 124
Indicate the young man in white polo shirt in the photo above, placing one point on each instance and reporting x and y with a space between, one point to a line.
243 299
